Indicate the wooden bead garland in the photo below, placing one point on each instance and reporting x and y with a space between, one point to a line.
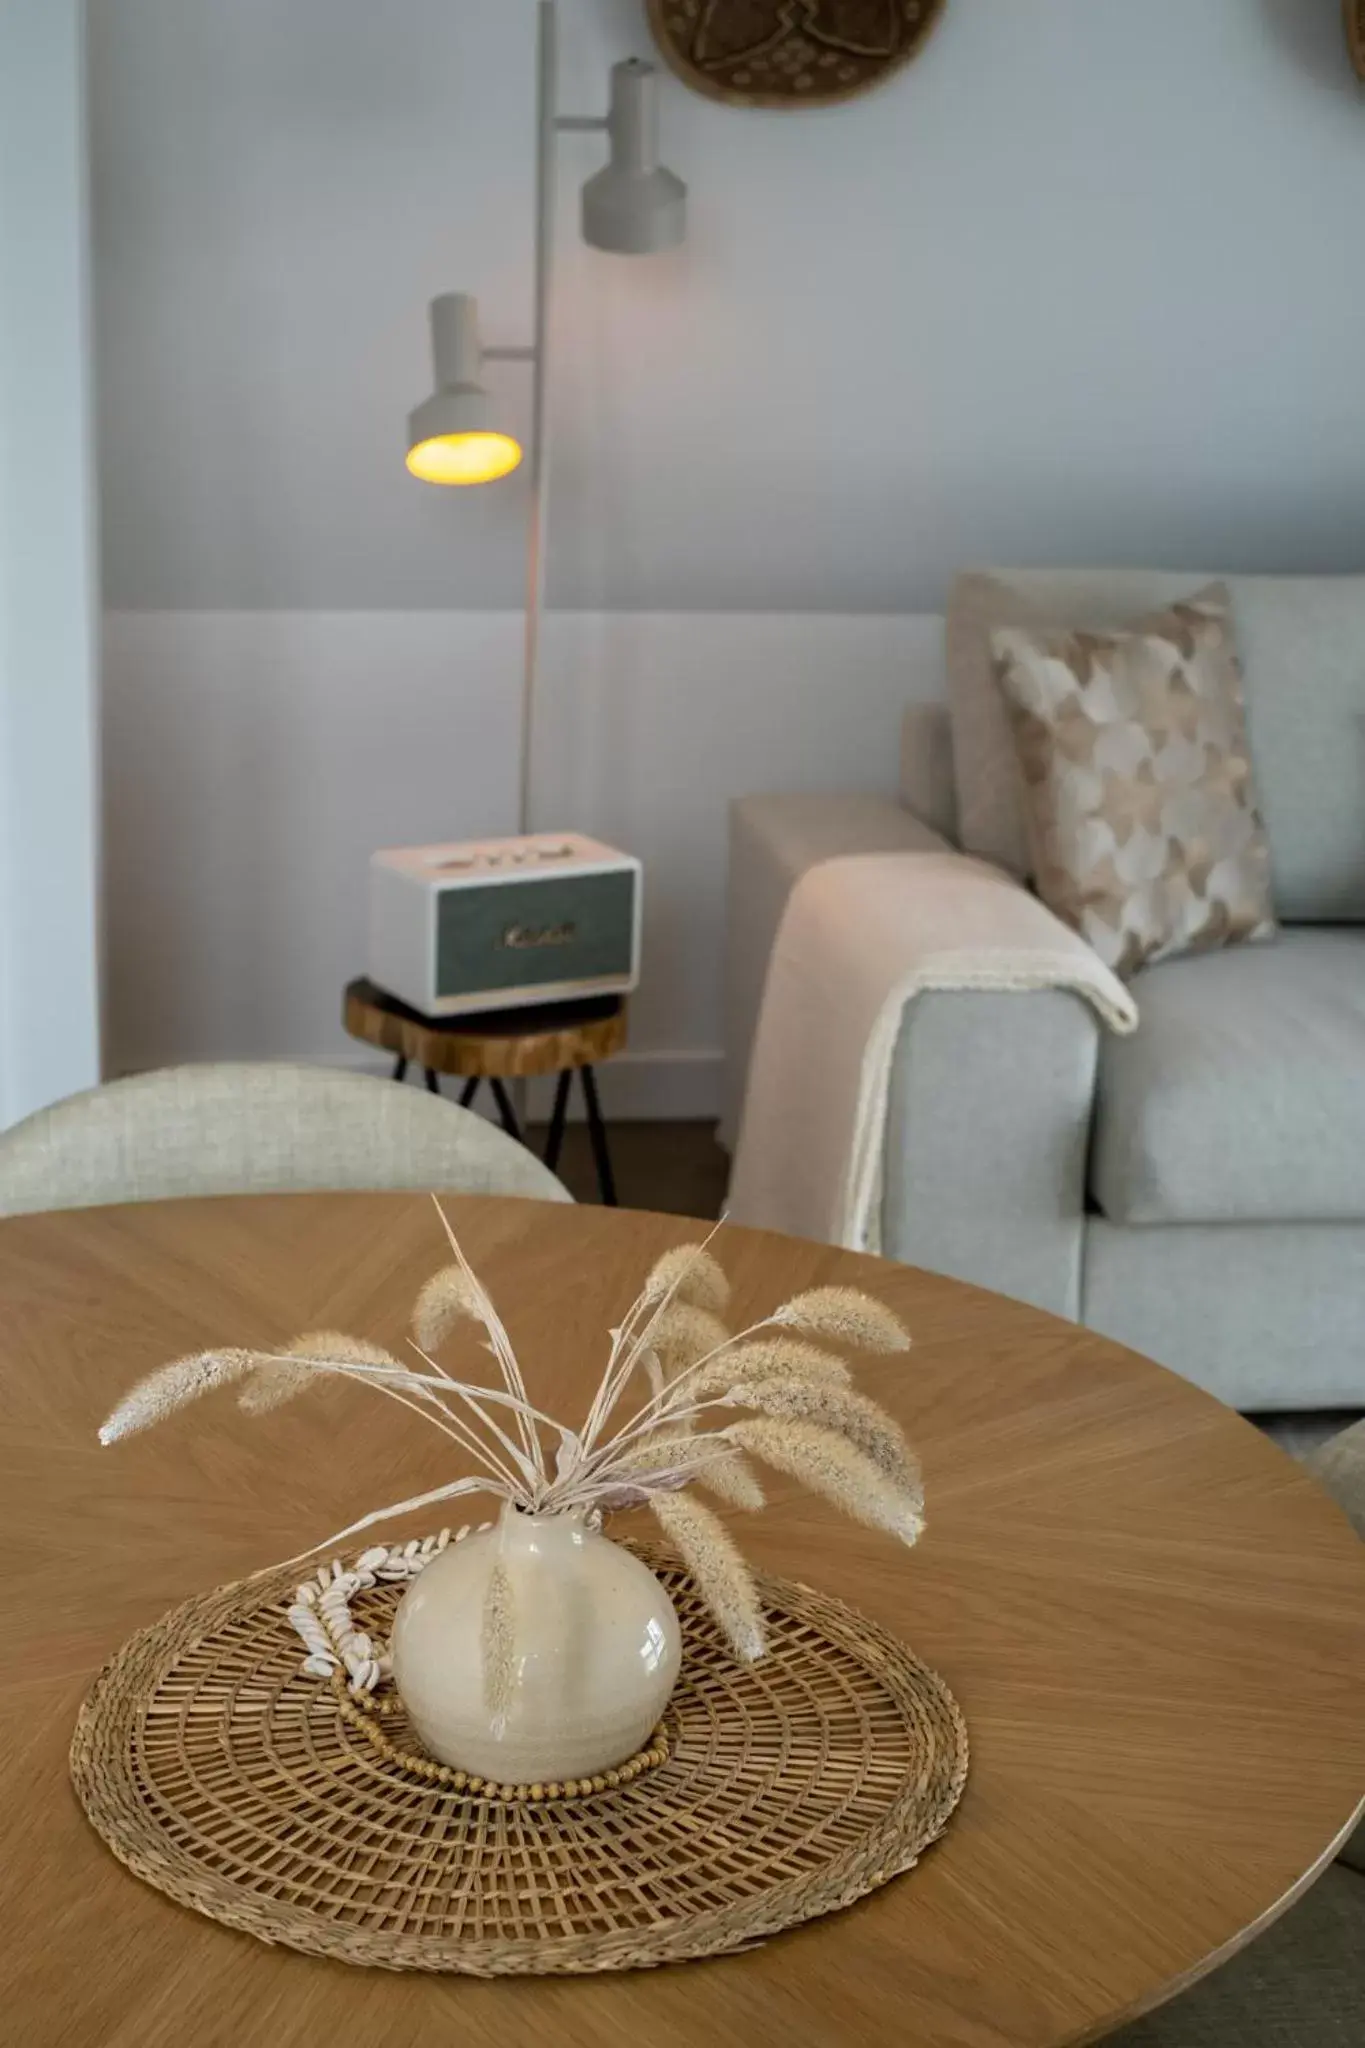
368 1719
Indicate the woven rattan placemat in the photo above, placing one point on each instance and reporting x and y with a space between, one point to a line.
219 1773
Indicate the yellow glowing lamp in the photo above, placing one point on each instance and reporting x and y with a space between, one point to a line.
469 458
452 436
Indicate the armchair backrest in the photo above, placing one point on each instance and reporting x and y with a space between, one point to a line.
1302 642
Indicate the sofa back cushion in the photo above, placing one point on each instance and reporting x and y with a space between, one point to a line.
1302 643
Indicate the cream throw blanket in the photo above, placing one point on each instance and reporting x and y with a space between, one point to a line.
860 938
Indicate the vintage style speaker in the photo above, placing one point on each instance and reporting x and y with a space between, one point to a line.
497 924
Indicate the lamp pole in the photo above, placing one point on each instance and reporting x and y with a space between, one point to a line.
550 123
633 207
547 93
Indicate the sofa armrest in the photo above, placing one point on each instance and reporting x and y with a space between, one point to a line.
987 1136
773 841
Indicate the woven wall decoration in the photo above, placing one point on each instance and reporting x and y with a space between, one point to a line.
1353 12
790 53
220 1772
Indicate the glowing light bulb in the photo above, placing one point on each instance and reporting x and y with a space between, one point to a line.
470 458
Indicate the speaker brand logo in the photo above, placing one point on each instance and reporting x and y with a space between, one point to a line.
523 938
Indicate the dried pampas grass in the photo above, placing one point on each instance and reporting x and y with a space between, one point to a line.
690 1274
498 1642
451 1296
734 1481
272 1385
657 1431
675 1459
174 1386
764 1358
716 1563
709 1461
684 1335
846 1317
830 1466
869 1428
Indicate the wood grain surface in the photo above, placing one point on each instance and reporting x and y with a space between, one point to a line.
1154 1622
501 1044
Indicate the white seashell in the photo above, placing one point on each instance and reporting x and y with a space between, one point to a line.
319 1666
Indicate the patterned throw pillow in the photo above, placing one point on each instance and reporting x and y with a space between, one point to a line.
1138 797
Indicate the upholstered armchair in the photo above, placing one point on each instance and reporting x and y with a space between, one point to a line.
1196 1190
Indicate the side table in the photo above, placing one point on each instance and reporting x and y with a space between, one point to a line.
498 1046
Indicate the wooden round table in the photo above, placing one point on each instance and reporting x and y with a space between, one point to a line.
1154 1622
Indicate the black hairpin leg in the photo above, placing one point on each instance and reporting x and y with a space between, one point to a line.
432 1083
469 1091
597 1133
400 1066
554 1143
506 1111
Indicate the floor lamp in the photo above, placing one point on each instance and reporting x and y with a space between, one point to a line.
633 207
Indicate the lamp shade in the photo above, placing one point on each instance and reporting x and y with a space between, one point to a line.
634 207
453 436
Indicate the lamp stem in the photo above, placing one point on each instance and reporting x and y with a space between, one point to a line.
547 84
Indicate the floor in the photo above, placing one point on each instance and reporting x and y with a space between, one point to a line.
673 1167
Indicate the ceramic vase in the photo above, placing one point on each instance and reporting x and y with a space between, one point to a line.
596 1652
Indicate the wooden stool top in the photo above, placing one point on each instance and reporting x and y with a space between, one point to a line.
492 1044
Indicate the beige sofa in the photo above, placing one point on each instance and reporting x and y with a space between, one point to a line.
1196 1191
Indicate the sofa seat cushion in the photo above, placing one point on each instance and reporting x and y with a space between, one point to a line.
1240 1098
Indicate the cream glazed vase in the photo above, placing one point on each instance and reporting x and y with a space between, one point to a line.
597 1651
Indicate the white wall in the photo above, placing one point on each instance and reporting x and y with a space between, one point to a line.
254 760
49 1002
1081 284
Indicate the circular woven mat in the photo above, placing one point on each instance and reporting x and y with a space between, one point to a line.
219 1773
790 53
